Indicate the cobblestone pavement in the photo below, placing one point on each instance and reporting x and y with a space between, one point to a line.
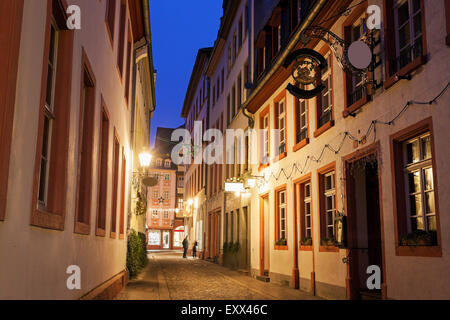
170 277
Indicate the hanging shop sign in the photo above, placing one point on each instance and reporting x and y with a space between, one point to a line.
307 64
234 187
306 71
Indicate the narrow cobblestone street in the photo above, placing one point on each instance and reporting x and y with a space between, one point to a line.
170 277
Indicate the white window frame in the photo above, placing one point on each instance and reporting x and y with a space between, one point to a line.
282 123
282 215
326 77
155 213
266 140
306 201
420 167
330 193
49 116
413 37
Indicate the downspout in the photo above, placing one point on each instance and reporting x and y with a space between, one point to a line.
280 60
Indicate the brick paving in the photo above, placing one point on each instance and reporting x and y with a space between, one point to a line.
170 277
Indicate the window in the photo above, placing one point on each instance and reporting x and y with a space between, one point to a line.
128 64
155 195
247 18
406 46
327 193
115 185
159 163
356 89
85 150
167 177
48 116
180 204
223 80
229 115
239 91
415 207
103 173
301 120
122 196
235 47
246 75
155 214
281 218
280 124
110 18
240 33
325 99
233 100
167 163
181 182
408 31
305 211
166 214
49 187
324 102
264 125
166 195
418 170
120 56
229 59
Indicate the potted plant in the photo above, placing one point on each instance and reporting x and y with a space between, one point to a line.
306 241
419 238
328 241
281 242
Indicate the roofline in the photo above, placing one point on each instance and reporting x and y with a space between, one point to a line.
200 61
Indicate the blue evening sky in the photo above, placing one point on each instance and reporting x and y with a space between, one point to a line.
179 29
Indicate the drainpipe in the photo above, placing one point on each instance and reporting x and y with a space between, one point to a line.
291 45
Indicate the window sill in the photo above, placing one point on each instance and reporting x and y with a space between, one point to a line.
306 248
282 248
121 236
47 220
328 249
280 157
357 105
419 251
82 228
300 145
112 235
406 70
324 128
100 232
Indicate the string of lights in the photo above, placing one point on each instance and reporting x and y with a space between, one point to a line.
297 167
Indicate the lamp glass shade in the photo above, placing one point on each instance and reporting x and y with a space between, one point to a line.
144 159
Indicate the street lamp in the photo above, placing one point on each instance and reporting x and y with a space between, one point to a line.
145 159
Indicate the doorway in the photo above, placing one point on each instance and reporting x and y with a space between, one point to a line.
166 239
264 249
364 224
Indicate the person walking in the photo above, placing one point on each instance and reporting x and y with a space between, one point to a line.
194 249
185 246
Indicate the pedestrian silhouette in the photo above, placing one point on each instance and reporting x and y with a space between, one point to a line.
185 246
194 250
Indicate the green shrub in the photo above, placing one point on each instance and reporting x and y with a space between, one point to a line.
136 253
419 238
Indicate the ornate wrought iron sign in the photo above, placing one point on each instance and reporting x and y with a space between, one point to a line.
355 58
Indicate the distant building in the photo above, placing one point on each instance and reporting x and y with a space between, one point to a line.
165 228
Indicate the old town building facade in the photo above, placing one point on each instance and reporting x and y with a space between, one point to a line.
66 153
350 178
